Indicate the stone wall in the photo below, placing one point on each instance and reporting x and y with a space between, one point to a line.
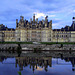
42 46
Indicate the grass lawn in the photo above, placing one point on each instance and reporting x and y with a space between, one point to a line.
49 43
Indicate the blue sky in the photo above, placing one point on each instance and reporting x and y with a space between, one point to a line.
60 11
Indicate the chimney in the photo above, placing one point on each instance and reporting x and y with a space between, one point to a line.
64 29
73 20
21 18
16 22
46 19
37 20
50 24
30 20
73 26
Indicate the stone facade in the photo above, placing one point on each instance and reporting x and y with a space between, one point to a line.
39 31
34 30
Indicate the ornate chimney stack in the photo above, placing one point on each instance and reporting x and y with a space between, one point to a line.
73 22
30 20
50 24
37 20
27 24
73 19
16 22
46 19
21 18
42 21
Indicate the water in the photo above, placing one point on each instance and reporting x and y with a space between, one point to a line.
37 65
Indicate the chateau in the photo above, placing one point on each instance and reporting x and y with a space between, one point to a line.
39 31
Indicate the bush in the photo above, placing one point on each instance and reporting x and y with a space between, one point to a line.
9 49
13 50
19 50
61 45
37 50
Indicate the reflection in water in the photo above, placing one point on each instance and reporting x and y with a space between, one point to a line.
38 63
44 62
72 60
34 62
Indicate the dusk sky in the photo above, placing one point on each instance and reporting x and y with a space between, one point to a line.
59 11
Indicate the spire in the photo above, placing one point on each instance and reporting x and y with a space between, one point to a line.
33 17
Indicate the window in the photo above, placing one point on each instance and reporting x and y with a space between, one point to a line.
62 35
66 35
19 39
54 35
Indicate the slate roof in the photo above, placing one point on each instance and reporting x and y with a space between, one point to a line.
71 28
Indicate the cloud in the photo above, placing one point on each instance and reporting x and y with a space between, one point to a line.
42 15
38 15
57 10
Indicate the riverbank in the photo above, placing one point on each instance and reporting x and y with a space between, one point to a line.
32 47
43 54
